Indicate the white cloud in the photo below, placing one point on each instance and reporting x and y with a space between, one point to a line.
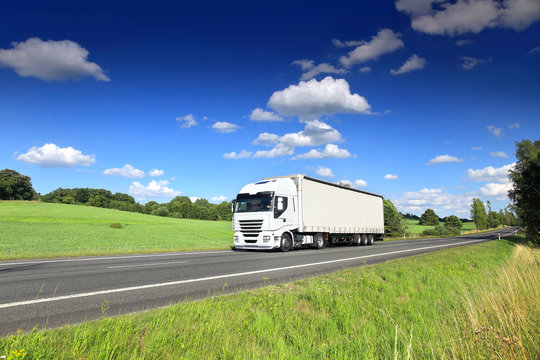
469 16
514 126
500 154
346 183
324 172
194 198
469 63
349 43
360 183
441 159
125 171
219 198
51 156
312 70
476 148
498 132
155 189
384 42
259 114
419 201
312 99
390 177
495 190
50 60
241 155
365 69
535 50
156 172
463 42
266 139
225 127
278 150
413 63
330 151
490 174
187 121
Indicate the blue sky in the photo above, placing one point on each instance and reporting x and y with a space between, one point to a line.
418 100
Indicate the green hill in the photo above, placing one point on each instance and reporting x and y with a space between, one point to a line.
33 229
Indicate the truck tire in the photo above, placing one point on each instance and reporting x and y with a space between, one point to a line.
364 240
286 243
357 240
370 239
320 243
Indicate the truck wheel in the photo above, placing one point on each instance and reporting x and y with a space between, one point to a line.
320 243
364 240
286 243
370 239
357 240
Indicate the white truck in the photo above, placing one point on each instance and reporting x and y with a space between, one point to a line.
293 211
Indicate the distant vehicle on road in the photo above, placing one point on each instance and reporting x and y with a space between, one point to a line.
293 211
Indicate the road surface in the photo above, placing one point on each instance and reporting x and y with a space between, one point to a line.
53 292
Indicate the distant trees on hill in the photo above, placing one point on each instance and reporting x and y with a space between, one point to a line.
15 186
429 218
179 207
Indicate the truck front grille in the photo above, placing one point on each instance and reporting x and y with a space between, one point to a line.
250 229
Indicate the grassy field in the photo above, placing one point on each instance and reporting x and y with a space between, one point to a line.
414 228
480 301
32 229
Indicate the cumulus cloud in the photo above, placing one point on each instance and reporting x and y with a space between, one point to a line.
187 121
312 70
348 43
500 154
534 51
225 127
278 150
469 16
413 63
50 60
266 139
498 132
441 159
469 63
360 183
324 172
490 174
390 177
330 151
514 126
51 156
219 198
259 114
499 191
244 154
437 199
463 42
155 189
365 69
385 41
125 171
156 172
312 99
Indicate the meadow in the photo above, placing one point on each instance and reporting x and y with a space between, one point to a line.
37 230
415 229
479 301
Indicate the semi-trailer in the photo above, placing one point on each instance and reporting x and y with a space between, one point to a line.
294 211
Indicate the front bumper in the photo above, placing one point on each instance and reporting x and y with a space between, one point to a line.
265 240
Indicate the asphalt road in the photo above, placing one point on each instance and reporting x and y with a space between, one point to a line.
54 292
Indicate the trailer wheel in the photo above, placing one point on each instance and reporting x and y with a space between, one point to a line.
364 240
370 239
320 243
286 243
357 240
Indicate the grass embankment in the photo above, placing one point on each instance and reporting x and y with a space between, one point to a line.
35 230
479 301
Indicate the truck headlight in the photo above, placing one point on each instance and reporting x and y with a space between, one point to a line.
266 238
235 238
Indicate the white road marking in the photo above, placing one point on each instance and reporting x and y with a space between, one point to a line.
114 257
224 276
149 264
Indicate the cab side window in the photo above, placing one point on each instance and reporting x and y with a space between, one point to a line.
280 206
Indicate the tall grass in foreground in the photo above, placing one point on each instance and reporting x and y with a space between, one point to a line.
457 303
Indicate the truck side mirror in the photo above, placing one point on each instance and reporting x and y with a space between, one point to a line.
233 203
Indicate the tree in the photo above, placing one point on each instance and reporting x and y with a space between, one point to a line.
429 218
453 222
525 192
478 214
15 186
394 224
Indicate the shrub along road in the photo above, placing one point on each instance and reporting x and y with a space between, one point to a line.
54 292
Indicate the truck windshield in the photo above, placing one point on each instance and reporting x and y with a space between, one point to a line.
261 201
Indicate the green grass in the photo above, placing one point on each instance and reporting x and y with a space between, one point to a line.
473 302
414 228
33 229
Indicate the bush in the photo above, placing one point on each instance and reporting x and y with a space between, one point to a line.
161 211
441 231
116 225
